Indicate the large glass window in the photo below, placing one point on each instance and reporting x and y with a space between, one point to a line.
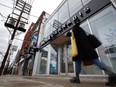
53 61
63 13
55 22
43 64
74 6
104 27
62 61
92 69
70 62
84 2
47 29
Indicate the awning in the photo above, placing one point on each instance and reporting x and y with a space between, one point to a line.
61 40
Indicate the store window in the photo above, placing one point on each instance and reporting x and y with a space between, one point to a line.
104 27
44 58
62 61
91 69
70 62
63 13
55 21
34 39
47 28
74 6
53 61
84 2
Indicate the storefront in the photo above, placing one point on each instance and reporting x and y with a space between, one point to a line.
55 58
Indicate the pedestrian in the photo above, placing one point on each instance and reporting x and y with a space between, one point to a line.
87 53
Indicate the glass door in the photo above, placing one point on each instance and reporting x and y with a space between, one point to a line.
69 61
66 63
62 60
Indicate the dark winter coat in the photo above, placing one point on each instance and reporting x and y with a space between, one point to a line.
85 50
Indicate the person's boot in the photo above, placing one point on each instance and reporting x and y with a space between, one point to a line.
75 79
111 81
111 77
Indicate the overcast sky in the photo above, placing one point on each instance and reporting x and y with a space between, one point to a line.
44 5
37 8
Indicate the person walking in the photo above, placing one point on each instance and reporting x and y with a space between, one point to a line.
87 53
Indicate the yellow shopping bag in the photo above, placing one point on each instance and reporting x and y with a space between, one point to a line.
74 50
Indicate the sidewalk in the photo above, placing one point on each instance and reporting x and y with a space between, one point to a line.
47 81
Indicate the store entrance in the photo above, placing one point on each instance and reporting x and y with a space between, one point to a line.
66 63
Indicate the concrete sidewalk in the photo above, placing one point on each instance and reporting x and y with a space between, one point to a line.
47 81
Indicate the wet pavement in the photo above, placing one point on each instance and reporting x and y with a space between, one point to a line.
48 81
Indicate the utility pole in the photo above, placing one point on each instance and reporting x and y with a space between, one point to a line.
1 54
25 9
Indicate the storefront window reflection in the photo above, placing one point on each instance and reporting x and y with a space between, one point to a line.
54 22
62 61
63 13
104 27
47 28
53 62
70 62
84 2
43 64
74 6
91 69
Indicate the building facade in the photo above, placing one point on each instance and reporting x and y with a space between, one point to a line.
25 59
96 17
